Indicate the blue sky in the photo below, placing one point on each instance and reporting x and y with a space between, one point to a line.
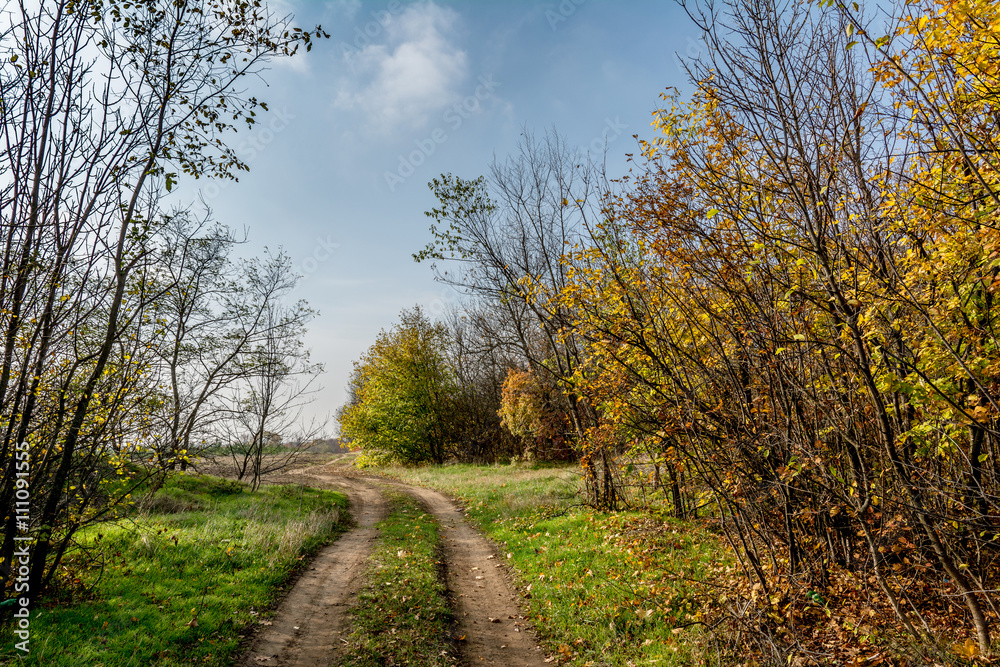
404 91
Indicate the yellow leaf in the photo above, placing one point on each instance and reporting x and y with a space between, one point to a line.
968 650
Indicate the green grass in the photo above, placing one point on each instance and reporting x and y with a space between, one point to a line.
182 580
601 589
402 615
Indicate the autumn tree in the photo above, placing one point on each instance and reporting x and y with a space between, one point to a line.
791 302
530 409
406 394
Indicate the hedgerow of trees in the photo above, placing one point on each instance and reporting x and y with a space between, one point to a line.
783 317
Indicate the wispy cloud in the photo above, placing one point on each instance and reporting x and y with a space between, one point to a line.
408 71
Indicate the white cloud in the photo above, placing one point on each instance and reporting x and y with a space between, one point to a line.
408 71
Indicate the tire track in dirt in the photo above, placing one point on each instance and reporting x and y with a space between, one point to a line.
485 609
307 626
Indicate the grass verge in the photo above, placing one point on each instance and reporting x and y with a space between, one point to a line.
601 589
184 579
402 615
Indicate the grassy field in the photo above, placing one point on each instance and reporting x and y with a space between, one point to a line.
601 589
402 615
183 580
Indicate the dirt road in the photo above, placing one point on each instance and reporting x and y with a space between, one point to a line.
485 608
306 630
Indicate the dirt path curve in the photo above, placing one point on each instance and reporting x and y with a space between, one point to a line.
307 626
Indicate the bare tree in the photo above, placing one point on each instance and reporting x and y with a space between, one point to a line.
264 431
217 314
104 104
507 234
